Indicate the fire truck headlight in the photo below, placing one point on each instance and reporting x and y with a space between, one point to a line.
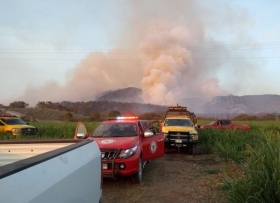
128 152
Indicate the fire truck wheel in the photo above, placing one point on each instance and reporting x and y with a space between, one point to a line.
138 177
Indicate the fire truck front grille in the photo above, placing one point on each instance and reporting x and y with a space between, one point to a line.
110 154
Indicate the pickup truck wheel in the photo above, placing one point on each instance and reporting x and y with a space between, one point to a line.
194 149
138 177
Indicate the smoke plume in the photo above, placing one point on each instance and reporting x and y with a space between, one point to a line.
169 49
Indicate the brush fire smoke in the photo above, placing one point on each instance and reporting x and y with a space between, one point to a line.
171 74
167 61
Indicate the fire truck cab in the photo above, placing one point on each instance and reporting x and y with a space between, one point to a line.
126 144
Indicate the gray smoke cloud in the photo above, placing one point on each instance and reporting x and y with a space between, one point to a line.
170 49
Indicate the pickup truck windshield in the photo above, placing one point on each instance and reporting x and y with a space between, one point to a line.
115 130
13 121
177 122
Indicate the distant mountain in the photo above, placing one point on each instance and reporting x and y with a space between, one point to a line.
221 106
130 94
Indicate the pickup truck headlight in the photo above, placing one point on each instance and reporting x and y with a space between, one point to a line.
15 130
194 136
165 135
128 152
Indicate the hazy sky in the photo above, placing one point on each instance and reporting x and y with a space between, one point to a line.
70 50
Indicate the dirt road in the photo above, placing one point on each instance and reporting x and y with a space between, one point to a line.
176 178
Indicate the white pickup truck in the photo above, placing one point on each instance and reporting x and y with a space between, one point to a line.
44 171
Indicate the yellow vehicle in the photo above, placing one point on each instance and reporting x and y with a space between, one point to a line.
11 124
179 129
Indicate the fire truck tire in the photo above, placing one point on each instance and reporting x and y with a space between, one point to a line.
194 149
138 177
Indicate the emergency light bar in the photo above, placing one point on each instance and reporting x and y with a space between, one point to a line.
123 118
7 115
177 108
126 117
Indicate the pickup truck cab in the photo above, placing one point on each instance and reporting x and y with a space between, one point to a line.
11 124
180 132
179 129
126 145
224 124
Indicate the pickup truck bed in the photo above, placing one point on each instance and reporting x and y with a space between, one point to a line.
50 171
225 124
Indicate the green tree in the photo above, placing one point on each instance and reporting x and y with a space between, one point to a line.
67 116
95 116
18 104
113 113
150 116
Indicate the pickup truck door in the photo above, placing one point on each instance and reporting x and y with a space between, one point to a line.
218 125
225 124
153 147
2 128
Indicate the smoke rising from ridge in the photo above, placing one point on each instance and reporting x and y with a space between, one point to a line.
171 73
161 50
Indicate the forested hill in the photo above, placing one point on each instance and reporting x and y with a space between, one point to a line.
103 107
231 104
128 101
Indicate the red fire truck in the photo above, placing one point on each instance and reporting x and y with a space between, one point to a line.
126 144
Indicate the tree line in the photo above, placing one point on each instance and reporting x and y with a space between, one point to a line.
98 110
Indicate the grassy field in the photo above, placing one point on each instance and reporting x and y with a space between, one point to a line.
257 152
49 130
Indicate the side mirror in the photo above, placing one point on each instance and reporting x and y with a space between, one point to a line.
81 131
81 135
148 133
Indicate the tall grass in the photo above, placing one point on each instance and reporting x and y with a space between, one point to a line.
52 130
261 181
257 151
229 144
232 144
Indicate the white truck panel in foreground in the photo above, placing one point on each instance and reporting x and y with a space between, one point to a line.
68 172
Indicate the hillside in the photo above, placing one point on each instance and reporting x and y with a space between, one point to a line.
128 101
130 94
221 106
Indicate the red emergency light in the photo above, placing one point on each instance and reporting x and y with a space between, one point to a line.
127 117
7 115
123 118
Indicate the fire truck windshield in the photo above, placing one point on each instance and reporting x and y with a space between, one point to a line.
115 130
